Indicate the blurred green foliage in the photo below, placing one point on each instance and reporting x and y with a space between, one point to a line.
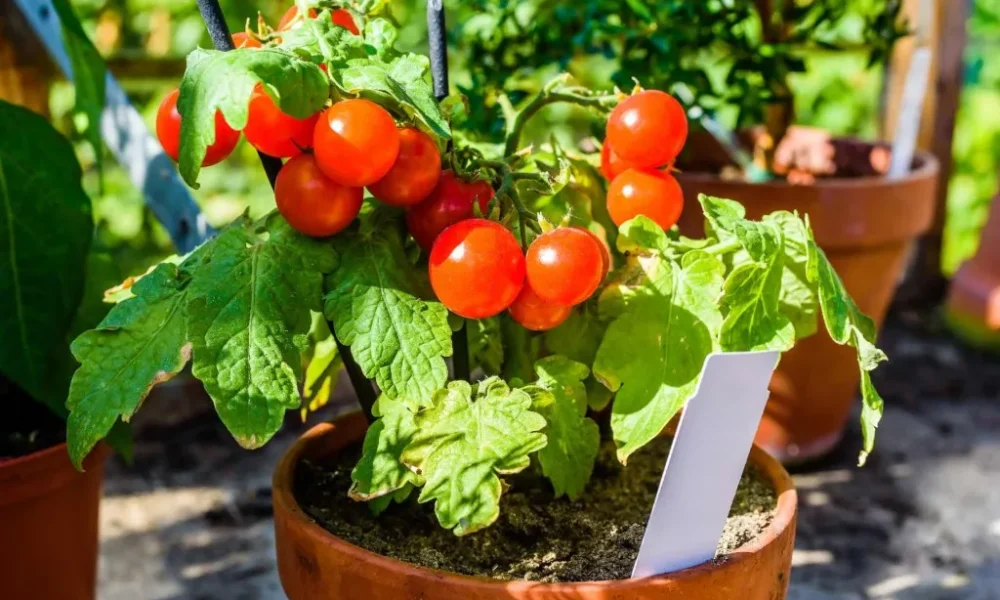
516 44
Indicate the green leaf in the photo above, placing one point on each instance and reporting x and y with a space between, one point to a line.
463 444
655 348
89 75
573 440
799 301
847 325
380 472
223 81
324 38
248 317
380 504
375 301
578 339
485 345
142 342
400 85
45 234
323 366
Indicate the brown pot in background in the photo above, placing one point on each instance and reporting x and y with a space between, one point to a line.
866 227
973 308
314 564
48 525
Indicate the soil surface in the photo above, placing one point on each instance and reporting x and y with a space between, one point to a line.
26 426
536 538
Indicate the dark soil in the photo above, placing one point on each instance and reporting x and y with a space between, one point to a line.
536 537
26 426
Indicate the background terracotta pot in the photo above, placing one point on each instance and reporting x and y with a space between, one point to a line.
866 226
48 525
314 564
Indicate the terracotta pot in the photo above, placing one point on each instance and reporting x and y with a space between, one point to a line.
866 226
315 564
973 307
48 525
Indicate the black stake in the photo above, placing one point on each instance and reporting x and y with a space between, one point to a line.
211 13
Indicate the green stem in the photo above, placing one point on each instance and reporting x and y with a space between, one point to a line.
723 247
551 95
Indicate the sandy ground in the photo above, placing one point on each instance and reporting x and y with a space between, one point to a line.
191 518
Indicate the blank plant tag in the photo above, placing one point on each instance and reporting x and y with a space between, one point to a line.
706 461
904 144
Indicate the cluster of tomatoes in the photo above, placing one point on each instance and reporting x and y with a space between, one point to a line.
645 133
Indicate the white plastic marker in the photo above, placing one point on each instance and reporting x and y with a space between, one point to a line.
127 137
904 143
706 461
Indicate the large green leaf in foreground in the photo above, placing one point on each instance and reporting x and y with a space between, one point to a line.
45 233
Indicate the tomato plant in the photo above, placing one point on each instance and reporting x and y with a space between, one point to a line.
415 173
168 130
451 201
273 132
356 142
242 39
459 231
313 203
340 17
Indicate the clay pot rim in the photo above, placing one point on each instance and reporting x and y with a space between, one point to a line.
927 168
284 502
37 455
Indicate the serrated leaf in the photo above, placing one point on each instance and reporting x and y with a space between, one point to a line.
671 320
381 35
380 472
463 444
375 301
223 81
847 325
401 85
799 301
572 439
89 75
142 342
248 317
45 233
322 37
380 504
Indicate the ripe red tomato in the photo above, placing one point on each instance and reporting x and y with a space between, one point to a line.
648 129
168 130
476 268
414 174
312 203
451 201
273 132
535 313
356 142
611 164
564 266
242 40
654 194
340 17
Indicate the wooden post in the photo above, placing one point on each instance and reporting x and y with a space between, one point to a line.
25 69
942 26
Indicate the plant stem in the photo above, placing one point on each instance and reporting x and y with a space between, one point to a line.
551 95
723 247
460 353
362 387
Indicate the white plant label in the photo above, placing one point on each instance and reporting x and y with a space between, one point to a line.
706 461
904 143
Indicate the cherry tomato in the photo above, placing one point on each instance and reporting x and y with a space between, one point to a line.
648 129
476 268
535 313
242 40
564 266
654 194
611 164
415 173
311 202
605 252
273 132
356 142
451 201
340 17
168 130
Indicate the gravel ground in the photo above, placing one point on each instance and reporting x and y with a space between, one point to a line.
191 518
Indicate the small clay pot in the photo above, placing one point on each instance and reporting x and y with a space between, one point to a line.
315 564
48 525
866 226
